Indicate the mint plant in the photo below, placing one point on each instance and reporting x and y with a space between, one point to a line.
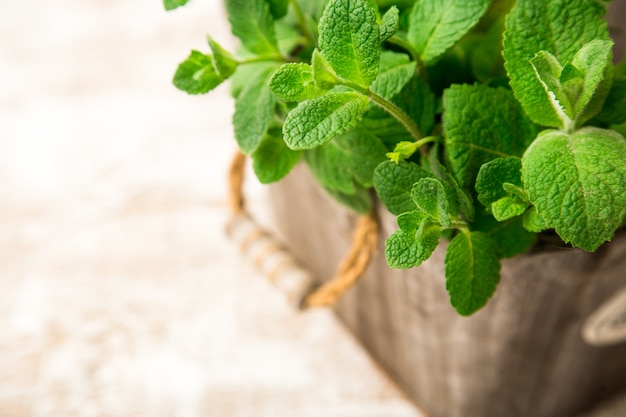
487 123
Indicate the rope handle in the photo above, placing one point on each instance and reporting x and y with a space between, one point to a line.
279 265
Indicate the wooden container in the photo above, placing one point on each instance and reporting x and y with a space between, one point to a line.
521 356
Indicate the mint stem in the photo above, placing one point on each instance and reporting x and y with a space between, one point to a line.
398 113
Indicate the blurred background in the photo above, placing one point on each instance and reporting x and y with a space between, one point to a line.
119 293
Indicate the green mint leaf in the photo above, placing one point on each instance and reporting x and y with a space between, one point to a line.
576 182
559 27
315 122
576 91
413 243
481 124
435 25
294 82
515 190
510 236
393 183
534 222
352 156
224 62
278 8
323 75
254 110
615 103
350 40
430 197
548 70
197 74
252 22
472 271
396 70
402 151
492 177
508 207
173 4
390 23
593 61
272 159
360 201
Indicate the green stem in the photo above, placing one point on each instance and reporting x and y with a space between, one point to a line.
398 113
269 58
304 27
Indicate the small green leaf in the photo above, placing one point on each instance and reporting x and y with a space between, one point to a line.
278 8
548 70
429 195
352 156
294 82
390 23
472 271
492 177
576 182
323 75
559 27
173 4
350 40
402 151
533 221
435 25
508 207
252 22
197 74
254 110
315 122
414 243
272 159
396 70
482 124
394 183
224 62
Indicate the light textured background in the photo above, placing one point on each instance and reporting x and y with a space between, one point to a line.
119 293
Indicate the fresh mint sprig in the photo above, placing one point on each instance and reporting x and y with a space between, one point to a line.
484 123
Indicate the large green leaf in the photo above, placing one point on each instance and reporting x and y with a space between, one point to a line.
252 22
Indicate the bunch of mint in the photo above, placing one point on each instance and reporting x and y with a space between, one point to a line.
484 122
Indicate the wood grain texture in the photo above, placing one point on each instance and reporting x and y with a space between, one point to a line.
520 356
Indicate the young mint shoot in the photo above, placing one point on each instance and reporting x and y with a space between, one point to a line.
473 122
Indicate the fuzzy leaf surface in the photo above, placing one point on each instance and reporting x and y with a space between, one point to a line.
272 159
197 74
390 23
558 27
430 197
254 110
472 271
350 40
481 124
576 182
294 82
394 184
492 177
315 122
252 22
409 248
352 156
435 25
